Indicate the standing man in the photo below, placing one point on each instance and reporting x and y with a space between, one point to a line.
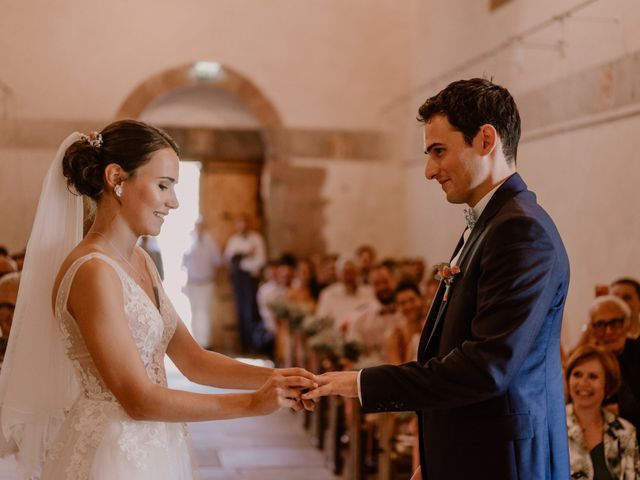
246 255
201 262
487 383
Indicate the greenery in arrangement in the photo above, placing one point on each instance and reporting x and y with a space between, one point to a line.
312 325
284 310
331 342
322 335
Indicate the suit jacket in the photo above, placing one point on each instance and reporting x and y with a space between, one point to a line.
487 384
628 395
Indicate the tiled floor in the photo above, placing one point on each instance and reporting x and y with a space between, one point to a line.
270 447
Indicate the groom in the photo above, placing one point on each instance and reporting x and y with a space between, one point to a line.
487 383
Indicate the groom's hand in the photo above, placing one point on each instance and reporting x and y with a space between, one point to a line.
334 383
303 386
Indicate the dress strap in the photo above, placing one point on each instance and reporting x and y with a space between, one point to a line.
65 284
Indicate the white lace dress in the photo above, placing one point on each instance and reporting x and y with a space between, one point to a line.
98 440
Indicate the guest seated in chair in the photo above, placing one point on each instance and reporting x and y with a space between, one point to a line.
401 342
9 285
602 446
608 328
345 296
304 287
7 265
369 326
628 289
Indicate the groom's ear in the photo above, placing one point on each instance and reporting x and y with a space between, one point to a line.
114 174
486 139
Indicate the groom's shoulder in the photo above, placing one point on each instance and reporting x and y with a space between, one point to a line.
522 220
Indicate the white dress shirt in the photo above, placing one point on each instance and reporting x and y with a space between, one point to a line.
337 303
251 245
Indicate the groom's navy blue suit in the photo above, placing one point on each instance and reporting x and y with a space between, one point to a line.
488 385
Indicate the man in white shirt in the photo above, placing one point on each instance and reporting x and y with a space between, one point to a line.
369 326
201 262
346 296
245 254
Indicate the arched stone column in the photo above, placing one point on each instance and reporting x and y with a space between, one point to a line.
229 81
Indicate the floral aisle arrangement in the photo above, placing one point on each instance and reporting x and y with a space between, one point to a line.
312 325
286 310
324 338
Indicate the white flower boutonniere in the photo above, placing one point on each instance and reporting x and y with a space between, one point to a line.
447 273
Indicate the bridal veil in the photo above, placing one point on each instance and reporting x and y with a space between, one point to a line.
37 384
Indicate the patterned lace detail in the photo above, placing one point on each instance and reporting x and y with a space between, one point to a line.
90 421
151 330
138 437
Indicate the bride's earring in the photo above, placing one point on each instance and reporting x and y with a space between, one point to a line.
118 190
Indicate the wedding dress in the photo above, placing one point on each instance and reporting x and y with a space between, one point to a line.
98 440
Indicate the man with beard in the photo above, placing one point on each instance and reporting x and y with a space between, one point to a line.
369 327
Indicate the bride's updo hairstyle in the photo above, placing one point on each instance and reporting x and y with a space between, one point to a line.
128 143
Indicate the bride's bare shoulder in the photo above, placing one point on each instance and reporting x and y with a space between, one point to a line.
78 252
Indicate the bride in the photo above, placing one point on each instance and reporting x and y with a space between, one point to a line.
83 392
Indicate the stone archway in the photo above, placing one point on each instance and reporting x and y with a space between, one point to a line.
229 81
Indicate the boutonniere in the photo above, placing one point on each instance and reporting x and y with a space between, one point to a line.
447 274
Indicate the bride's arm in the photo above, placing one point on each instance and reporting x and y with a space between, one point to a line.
214 369
96 303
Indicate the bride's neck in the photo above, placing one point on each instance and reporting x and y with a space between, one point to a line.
115 231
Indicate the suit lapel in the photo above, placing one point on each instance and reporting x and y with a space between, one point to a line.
513 185
430 323
436 309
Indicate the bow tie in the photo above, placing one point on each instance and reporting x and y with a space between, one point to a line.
470 217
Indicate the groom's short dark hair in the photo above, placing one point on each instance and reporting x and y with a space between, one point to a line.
469 104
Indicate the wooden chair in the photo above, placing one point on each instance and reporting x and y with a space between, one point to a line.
355 458
333 436
283 343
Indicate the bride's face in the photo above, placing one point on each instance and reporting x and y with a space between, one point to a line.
149 194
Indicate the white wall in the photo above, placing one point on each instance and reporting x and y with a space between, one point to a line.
365 205
322 62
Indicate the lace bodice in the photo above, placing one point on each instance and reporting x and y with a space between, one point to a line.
98 440
151 328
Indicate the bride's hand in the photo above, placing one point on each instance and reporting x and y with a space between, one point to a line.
283 389
309 405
